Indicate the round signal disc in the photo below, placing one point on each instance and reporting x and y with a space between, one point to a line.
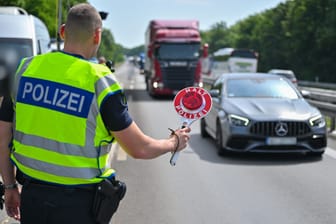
192 102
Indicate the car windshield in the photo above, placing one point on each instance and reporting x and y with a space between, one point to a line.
260 87
243 54
13 50
178 51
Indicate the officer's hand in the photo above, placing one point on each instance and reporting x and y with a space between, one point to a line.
181 137
12 203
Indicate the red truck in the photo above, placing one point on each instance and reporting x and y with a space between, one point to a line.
173 56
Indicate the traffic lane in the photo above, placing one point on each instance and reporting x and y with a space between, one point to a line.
206 188
129 76
237 190
159 195
332 141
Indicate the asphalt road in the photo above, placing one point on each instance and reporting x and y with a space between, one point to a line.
204 188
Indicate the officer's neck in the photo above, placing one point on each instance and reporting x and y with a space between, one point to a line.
84 52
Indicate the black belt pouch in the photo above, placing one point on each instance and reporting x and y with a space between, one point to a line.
107 198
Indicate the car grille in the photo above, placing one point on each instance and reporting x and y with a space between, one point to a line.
178 77
294 128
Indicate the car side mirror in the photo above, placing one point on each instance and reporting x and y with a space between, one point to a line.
214 92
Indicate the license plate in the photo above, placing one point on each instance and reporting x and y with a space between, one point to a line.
281 141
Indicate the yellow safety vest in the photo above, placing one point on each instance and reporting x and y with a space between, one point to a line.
59 135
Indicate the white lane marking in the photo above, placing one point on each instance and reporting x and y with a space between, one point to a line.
330 152
117 153
121 156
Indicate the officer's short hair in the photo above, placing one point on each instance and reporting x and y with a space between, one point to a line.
82 21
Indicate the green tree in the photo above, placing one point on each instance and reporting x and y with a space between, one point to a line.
217 37
47 11
297 34
107 45
108 48
134 51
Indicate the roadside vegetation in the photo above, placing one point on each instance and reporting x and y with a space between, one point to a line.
298 35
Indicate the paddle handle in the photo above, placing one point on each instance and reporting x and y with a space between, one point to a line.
174 158
175 155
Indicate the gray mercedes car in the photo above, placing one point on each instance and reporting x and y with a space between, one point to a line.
259 112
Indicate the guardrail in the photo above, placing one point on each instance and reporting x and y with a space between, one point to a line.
322 96
320 85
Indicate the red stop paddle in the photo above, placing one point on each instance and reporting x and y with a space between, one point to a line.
191 103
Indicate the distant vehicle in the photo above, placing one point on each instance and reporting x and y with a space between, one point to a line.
229 60
289 74
141 62
173 56
260 112
53 45
21 35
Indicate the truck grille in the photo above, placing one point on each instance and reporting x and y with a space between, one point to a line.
178 77
293 128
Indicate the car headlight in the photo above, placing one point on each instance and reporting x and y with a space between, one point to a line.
238 120
317 121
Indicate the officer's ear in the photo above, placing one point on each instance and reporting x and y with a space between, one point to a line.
62 31
97 36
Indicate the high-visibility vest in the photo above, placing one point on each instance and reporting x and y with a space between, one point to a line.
59 134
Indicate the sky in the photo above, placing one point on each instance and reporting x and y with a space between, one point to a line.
127 20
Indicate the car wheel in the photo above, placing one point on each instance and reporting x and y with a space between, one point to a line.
221 151
219 141
204 133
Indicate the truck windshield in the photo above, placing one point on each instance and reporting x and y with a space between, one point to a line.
13 50
178 51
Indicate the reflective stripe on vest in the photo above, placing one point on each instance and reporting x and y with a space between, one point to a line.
59 135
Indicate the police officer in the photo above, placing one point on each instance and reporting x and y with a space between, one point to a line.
67 112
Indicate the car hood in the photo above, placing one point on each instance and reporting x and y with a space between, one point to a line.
273 108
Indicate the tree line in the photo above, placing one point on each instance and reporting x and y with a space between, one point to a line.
47 11
297 34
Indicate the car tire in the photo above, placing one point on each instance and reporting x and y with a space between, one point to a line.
221 151
204 133
219 141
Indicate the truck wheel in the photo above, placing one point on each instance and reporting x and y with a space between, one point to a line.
148 88
146 81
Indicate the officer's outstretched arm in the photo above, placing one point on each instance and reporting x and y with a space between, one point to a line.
141 146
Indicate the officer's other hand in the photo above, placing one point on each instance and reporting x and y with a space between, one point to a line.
181 137
12 203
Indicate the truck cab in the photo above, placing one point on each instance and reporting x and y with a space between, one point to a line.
173 56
